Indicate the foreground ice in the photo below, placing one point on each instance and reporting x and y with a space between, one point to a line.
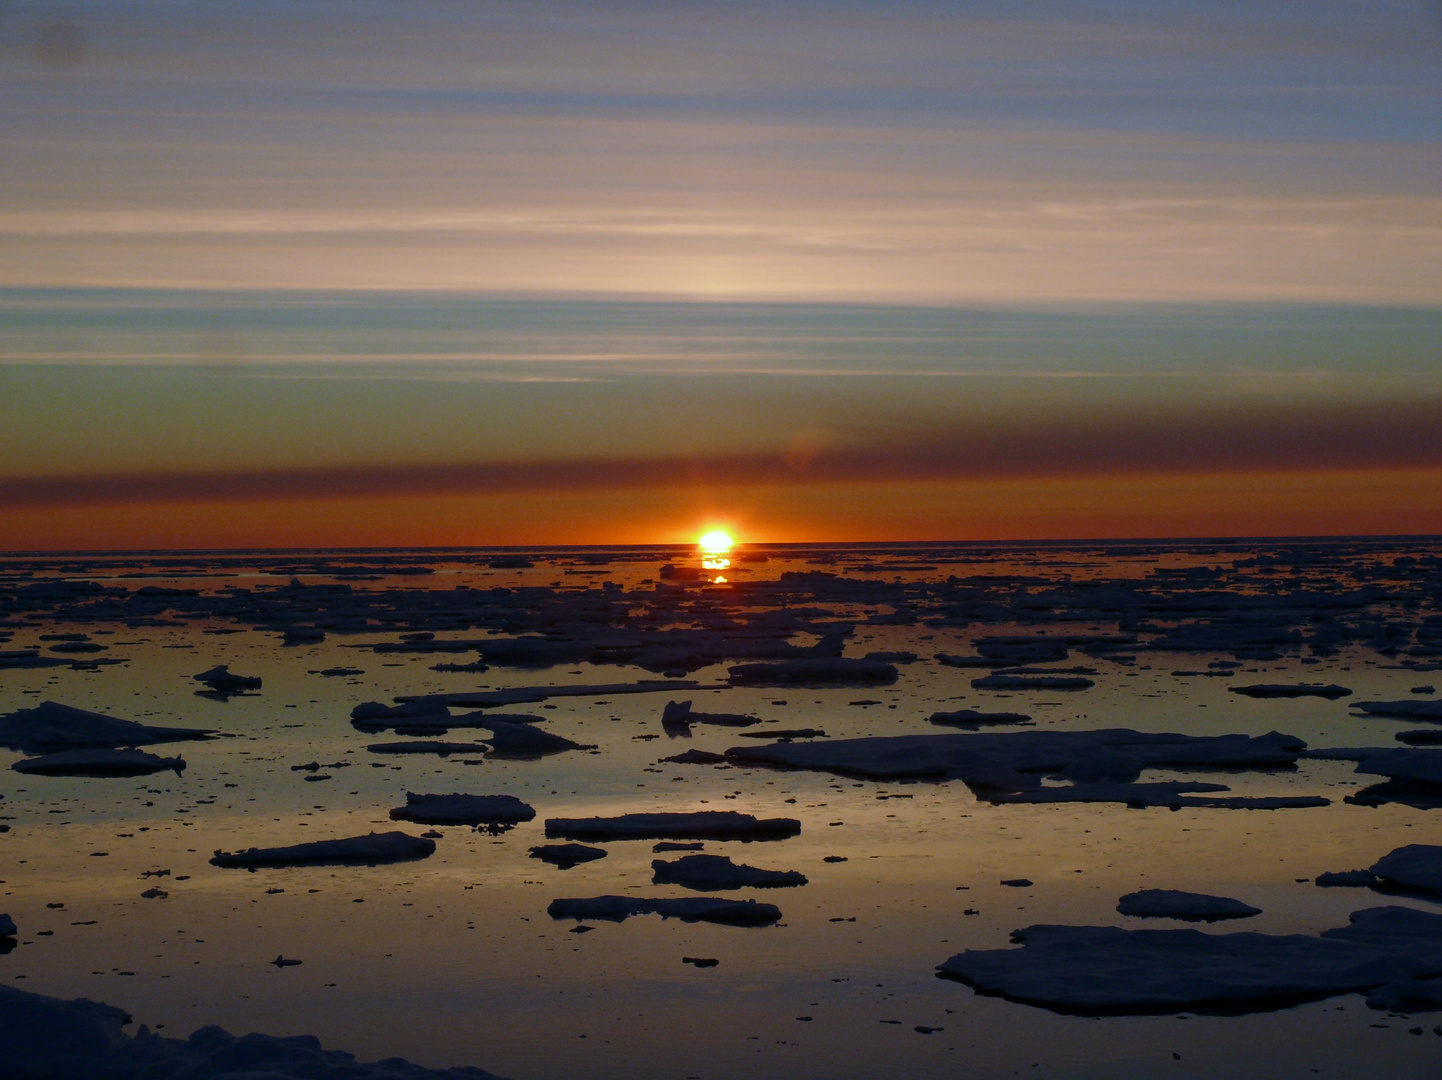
366 850
98 763
7 926
52 726
696 825
1175 904
1104 969
458 809
46 1038
706 872
688 909
1416 866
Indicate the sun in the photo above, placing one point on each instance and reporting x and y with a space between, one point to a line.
715 542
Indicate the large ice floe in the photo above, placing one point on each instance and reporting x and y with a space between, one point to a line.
1105 969
1331 691
51 726
710 909
696 825
369 850
46 1038
98 762
1009 766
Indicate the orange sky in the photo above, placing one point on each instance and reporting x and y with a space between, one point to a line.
1247 504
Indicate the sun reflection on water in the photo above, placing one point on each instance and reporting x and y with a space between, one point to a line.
715 550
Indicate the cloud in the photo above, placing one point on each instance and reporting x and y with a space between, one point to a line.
1318 438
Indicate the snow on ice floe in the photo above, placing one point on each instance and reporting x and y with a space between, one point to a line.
688 909
52 726
1292 690
46 1038
1415 866
705 873
99 762
565 856
1105 969
368 850
1407 996
458 809
1345 879
695 825
1175 904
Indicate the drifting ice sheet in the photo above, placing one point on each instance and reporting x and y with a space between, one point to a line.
366 850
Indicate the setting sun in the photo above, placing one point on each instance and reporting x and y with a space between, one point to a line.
715 541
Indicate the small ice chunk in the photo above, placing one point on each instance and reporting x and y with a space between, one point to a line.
705 873
565 856
688 909
696 757
696 825
458 809
971 719
7 926
221 680
1346 879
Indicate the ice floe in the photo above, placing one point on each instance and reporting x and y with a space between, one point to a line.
1105 969
818 671
1000 763
46 1038
696 825
52 726
1175 904
688 909
1330 691
565 856
704 873
99 762
369 850
1415 866
459 809
972 719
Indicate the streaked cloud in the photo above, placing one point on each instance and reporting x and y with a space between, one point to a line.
1260 440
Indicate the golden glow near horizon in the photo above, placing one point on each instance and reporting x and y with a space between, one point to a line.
715 545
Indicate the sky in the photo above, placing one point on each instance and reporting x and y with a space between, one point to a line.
371 274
